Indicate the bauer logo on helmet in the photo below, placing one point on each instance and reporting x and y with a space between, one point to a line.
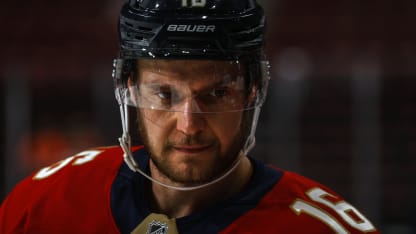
191 28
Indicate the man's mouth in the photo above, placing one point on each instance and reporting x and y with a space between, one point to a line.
192 149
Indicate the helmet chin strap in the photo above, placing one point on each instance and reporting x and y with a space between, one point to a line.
251 140
125 143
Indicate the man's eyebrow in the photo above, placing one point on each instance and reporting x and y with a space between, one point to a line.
219 83
158 86
157 81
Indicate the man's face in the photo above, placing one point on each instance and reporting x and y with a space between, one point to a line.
183 119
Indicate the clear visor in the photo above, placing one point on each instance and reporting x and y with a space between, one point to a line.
191 86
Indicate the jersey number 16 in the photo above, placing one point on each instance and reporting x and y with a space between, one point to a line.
345 210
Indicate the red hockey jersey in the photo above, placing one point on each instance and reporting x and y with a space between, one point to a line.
76 195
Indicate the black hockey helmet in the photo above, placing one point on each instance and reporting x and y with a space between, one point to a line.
230 30
191 28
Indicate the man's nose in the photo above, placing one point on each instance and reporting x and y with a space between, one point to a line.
189 121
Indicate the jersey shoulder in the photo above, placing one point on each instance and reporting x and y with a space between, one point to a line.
79 185
88 165
297 204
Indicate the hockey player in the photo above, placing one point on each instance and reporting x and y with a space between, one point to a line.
193 76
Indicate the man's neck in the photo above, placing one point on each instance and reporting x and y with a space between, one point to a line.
175 203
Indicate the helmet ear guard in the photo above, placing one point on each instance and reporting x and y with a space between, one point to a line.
120 74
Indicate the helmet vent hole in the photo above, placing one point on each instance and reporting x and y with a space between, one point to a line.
144 28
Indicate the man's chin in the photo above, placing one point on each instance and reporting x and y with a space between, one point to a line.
190 170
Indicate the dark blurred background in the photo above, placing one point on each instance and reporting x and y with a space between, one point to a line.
341 105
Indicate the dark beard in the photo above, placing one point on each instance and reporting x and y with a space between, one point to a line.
221 163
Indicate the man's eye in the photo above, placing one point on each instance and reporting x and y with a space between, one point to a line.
164 95
218 92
